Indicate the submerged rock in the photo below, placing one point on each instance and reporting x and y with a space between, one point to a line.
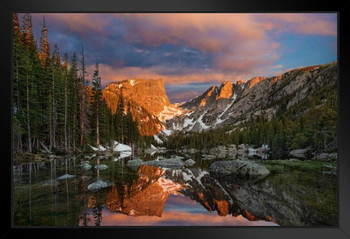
191 150
90 156
189 162
159 162
240 168
65 176
86 167
168 163
101 167
97 185
51 182
134 162
208 157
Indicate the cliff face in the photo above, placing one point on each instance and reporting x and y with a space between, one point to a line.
147 99
148 94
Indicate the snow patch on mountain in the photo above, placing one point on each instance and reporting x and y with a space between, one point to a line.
219 120
170 111
132 82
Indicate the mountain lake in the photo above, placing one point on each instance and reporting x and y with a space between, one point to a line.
89 190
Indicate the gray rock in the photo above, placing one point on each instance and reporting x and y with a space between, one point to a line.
208 157
240 168
161 162
134 162
325 156
189 162
231 150
101 167
192 151
86 167
97 185
219 151
176 157
294 159
66 176
167 163
300 153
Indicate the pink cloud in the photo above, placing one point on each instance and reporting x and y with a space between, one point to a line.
112 74
183 95
239 42
81 23
303 23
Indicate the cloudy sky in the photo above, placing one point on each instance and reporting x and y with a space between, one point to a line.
191 51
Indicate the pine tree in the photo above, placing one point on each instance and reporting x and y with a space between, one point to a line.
83 102
65 77
31 70
44 53
18 52
96 102
73 106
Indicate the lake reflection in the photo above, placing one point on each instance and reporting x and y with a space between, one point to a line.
178 211
69 192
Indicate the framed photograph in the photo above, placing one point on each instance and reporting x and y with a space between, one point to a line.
176 119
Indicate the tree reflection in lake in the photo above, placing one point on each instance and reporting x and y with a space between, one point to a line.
150 195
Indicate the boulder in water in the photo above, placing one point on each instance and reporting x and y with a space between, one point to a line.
240 168
189 162
101 167
97 185
66 176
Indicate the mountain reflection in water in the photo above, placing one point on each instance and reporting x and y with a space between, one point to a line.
153 199
178 211
154 196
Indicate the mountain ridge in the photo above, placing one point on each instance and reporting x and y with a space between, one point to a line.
228 104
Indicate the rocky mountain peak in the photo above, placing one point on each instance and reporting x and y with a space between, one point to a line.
147 99
149 94
230 105
207 94
225 90
254 81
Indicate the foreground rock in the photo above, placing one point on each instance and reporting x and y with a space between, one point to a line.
167 163
240 168
175 162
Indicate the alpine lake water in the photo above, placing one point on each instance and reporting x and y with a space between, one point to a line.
62 192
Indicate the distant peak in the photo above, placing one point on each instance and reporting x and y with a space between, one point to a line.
225 90
255 80
207 94
226 83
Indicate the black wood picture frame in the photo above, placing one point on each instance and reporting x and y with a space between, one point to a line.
341 7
